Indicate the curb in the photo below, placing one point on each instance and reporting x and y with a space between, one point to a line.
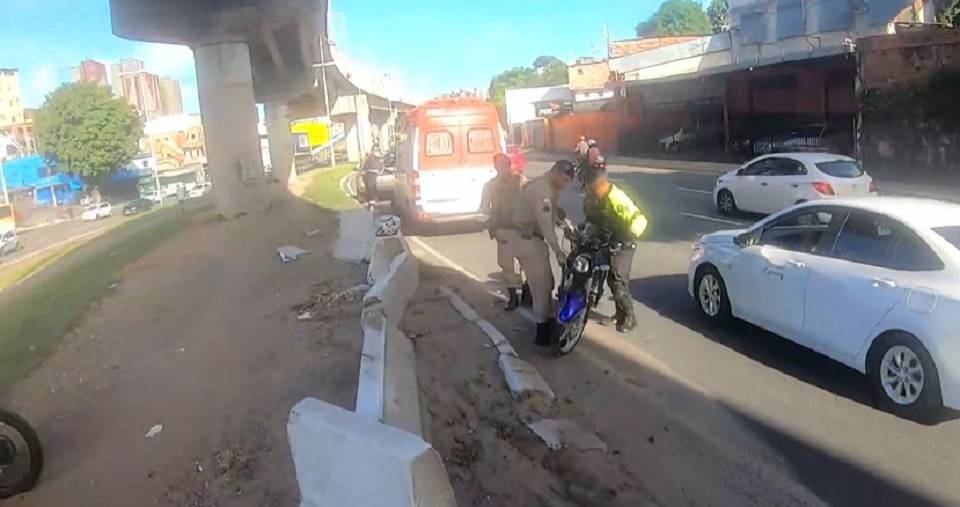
376 455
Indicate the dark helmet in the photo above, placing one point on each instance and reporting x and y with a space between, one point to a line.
564 166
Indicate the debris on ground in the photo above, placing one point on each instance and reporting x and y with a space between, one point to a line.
387 225
290 253
312 232
154 430
566 434
327 297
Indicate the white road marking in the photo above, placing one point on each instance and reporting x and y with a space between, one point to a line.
695 191
717 220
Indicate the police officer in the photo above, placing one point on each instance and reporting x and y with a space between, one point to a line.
536 215
609 208
500 197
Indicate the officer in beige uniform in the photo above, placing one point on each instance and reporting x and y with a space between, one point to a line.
536 215
500 197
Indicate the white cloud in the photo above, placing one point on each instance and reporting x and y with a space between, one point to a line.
167 59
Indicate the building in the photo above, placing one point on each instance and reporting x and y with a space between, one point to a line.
91 71
175 142
130 80
171 100
11 109
785 74
626 47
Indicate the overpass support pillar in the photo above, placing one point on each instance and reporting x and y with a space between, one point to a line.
228 109
281 142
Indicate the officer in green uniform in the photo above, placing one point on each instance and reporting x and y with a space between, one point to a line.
609 208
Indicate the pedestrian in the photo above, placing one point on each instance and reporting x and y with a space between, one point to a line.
500 197
609 209
582 149
593 151
537 215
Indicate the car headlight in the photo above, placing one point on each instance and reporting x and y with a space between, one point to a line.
697 251
581 264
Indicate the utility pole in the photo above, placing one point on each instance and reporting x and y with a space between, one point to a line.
326 101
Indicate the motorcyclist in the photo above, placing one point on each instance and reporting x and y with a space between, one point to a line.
610 210
592 152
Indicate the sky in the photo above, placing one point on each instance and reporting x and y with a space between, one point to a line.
428 47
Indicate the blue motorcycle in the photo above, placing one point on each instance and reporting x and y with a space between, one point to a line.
581 288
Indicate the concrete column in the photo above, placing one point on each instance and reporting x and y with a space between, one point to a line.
281 143
228 109
351 134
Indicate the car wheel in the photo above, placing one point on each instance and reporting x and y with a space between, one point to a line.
711 294
904 378
726 204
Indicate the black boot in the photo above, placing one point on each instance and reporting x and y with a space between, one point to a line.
526 299
513 300
544 334
626 321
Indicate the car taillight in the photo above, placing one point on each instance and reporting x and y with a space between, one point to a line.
873 187
823 188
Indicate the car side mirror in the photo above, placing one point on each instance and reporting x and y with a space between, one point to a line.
739 172
746 239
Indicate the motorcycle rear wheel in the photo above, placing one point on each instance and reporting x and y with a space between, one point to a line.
570 334
28 478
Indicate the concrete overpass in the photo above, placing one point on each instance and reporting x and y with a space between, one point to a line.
249 52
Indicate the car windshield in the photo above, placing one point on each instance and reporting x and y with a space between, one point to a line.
841 169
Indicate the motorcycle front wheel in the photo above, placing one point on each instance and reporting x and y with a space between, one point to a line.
22 456
570 334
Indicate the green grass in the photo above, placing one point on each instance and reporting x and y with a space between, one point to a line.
324 190
37 313
24 269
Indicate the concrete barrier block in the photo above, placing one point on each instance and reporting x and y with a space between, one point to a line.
355 236
401 396
370 383
395 289
384 251
523 379
342 459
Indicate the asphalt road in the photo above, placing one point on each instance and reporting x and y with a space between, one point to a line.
814 413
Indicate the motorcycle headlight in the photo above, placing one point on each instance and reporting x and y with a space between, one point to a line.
581 264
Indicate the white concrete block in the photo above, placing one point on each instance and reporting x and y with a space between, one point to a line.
396 289
384 251
370 383
355 236
401 396
523 379
343 460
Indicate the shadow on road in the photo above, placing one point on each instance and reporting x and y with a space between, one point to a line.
687 440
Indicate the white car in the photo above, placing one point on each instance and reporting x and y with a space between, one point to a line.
870 282
771 183
97 211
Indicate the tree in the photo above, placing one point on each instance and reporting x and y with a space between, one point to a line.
546 61
719 13
83 129
675 17
546 71
948 11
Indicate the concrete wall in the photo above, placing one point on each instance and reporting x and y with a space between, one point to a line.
588 75
907 58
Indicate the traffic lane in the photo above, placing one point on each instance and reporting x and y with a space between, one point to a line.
46 237
806 397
